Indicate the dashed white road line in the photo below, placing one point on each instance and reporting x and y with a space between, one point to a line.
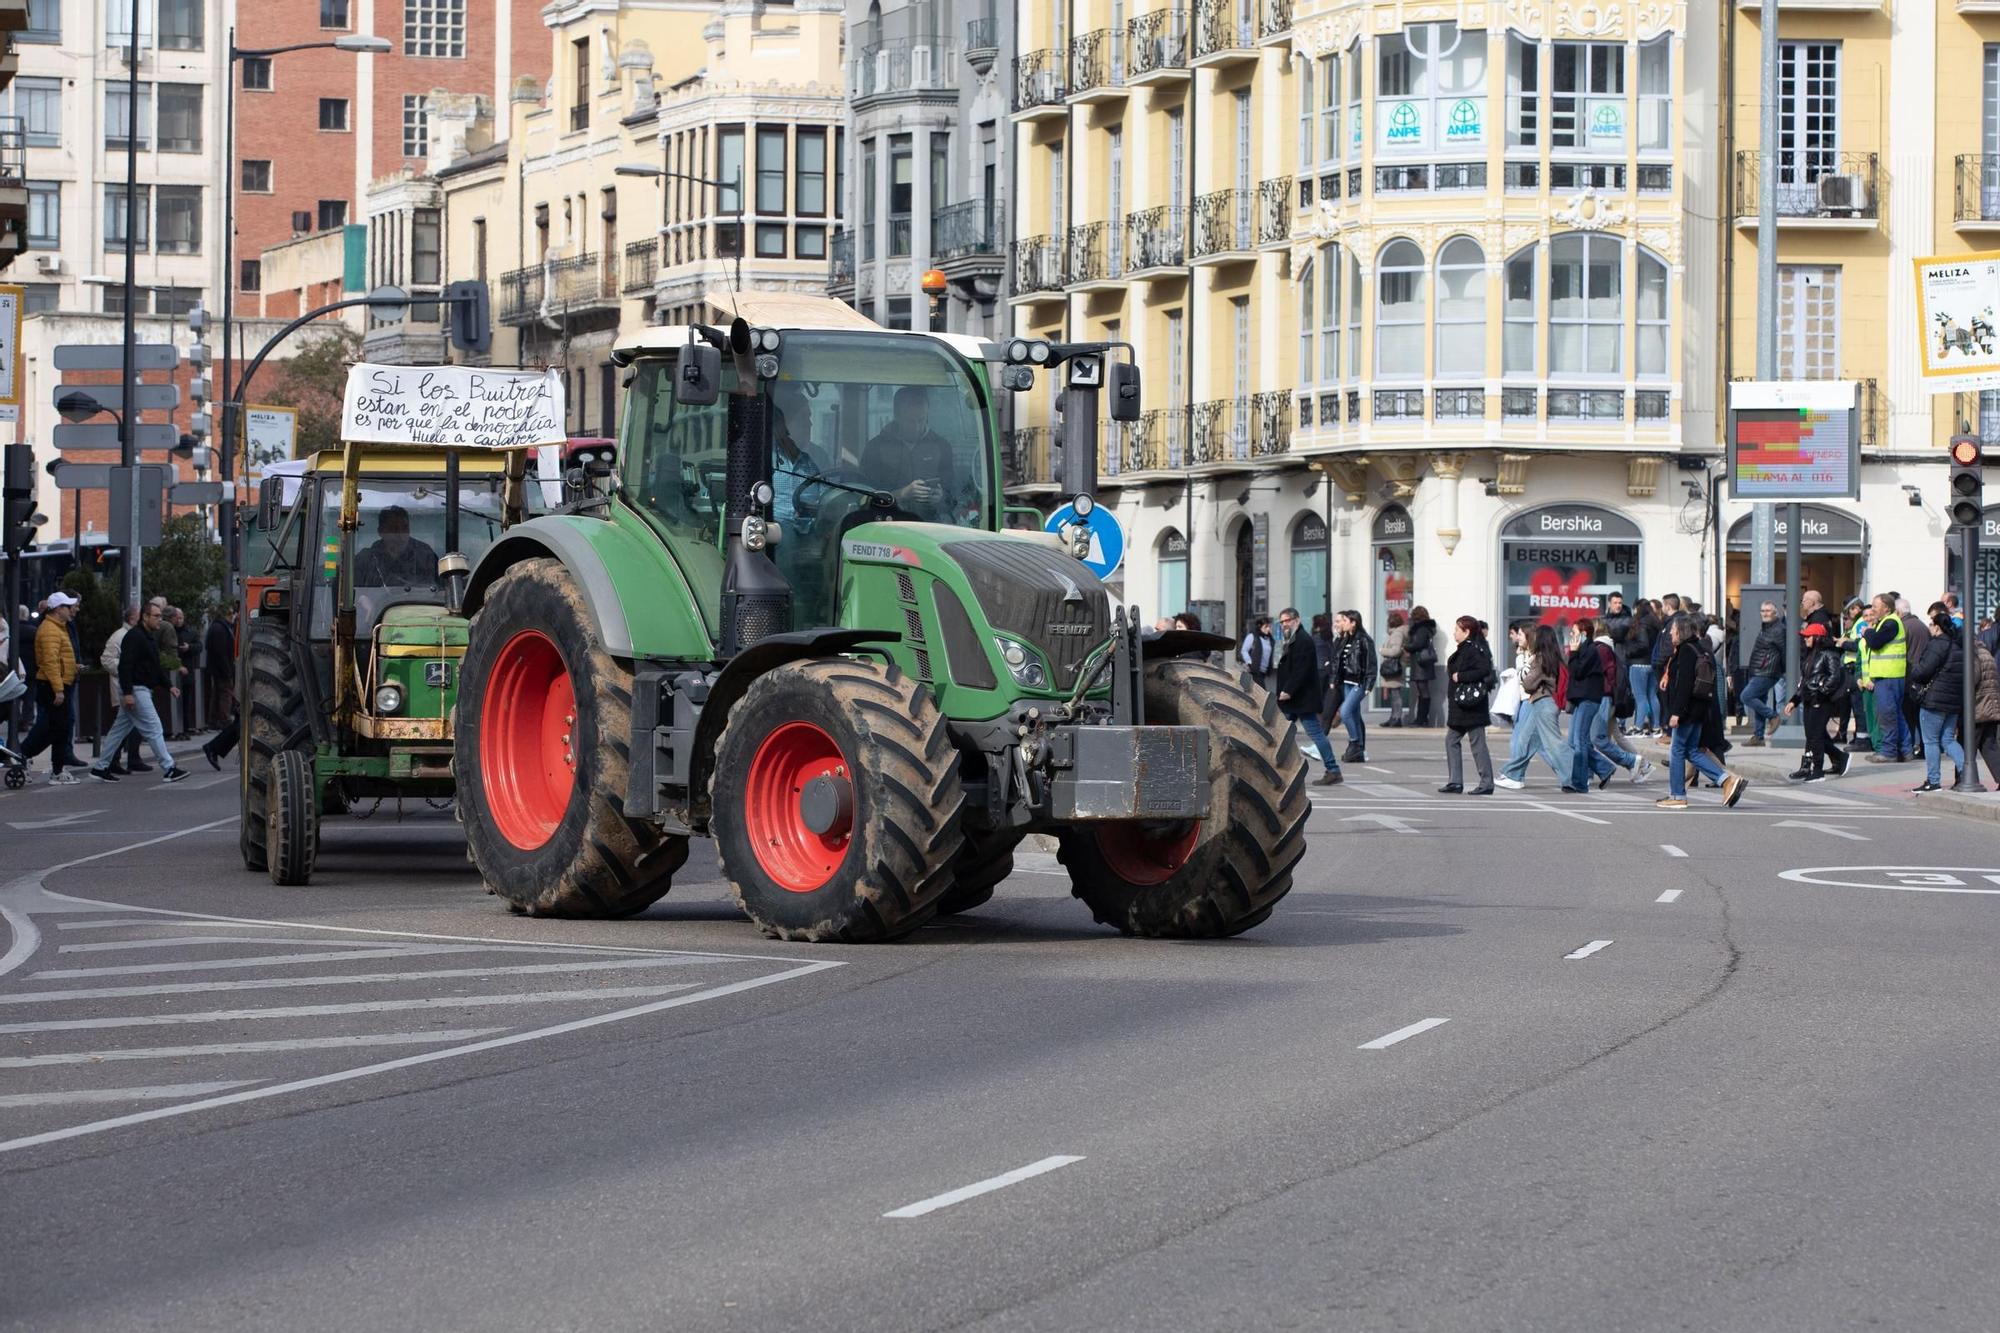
1671 850
1668 896
1589 949
247 1047
163 1092
1402 1034
1568 814
987 1186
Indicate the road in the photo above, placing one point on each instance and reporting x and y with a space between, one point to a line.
1528 1062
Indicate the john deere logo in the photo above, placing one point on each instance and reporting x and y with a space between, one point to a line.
1405 126
1463 123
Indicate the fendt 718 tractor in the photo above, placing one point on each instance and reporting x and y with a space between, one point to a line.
348 673
792 621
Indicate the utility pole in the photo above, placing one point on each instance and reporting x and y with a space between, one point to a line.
128 444
1763 521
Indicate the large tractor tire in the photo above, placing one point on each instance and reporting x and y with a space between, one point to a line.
274 721
1210 878
291 834
836 800
982 864
543 755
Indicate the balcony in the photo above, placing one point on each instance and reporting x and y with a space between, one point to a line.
1097 67
1038 268
1398 405
1225 33
1241 430
963 241
1825 191
1274 20
1156 442
1978 193
13 189
1156 243
557 288
642 265
1156 48
520 296
1097 256
840 264
1028 459
1224 228
1041 85
1274 214
900 66
982 43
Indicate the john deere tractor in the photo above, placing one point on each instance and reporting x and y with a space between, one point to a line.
349 668
792 621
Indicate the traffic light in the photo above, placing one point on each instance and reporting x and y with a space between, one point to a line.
17 496
471 317
1968 481
198 321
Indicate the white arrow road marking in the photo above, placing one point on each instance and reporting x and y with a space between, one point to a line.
1589 949
73 817
1390 822
1402 1034
987 1186
1835 829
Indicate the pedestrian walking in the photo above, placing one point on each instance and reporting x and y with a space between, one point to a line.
1617 703
107 659
218 664
1420 664
1766 673
1256 652
1986 709
1301 690
1469 682
1886 669
1919 636
55 692
1586 697
1936 679
1822 688
1691 685
139 674
1540 669
188 646
1639 676
1328 653
1354 673
1394 669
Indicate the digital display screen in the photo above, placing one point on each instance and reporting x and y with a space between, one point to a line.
1792 453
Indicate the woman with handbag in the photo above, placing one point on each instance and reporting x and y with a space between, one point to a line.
1391 669
1420 661
1471 680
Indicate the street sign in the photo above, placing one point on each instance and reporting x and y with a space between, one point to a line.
111 356
82 476
1107 539
104 435
143 487
148 397
196 493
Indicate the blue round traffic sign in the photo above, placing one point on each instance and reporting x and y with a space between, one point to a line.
1107 539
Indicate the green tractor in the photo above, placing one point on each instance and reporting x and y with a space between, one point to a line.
793 621
349 668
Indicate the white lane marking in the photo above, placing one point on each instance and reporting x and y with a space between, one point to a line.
255 960
1589 949
205 783
1390 822
987 1186
1812 797
1402 1034
423 1058
177 941
1568 814
1834 829
162 1093
1384 791
1668 896
357 979
1671 850
73 817
356 1007
247 1047
1377 768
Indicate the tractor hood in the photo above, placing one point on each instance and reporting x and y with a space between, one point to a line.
416 626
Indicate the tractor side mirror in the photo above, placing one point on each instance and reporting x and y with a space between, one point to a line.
270 502
698 377
1124 387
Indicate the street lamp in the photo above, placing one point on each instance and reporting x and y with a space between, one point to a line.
359 43
663 175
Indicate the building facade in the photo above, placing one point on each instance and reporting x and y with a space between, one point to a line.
929 160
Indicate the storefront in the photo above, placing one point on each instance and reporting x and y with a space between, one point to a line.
1832 544
1393 541
1986 586
1562 562
1309 566
1173 562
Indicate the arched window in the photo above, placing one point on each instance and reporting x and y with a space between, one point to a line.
1461 310
1654 314
1517 336
1399 312
1586 304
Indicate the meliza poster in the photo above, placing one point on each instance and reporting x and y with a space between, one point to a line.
1958 320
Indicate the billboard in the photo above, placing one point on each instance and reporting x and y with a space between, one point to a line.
269 434
1794 440
1958 321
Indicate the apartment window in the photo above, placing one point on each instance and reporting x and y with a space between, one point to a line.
256 175
1331 272
579 110
899 313
331 213
1328 133
118 24
333 113
181 25
479 248
809 180
770 240
40 297
902 184
416 126
426 246
840 173
1808 119
809 242
434 28
729 169
114 299
116 216
870 174
1524 98
118 108
1114 206
44 22
1808 322
1399 312
1586 304
333 14
1461 310
256 74
180 118
1306 312
251 275
1431 89
175 300
770 170
1517 315
1307 107
1656 96
941 174
179 224
1654 317
1351 281
44 215
1587 97
1352 60
38 102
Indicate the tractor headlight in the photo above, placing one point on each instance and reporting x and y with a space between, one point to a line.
388 698
1021 664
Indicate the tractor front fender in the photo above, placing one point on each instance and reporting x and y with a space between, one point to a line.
636 598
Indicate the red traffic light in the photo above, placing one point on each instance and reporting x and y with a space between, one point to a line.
1965 450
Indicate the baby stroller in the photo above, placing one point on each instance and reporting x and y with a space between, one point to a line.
12 687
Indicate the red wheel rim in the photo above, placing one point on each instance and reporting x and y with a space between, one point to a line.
527 761
790 851
1142 853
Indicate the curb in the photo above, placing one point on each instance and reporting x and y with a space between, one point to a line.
1771 767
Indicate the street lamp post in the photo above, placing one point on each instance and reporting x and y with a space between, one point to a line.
664 174
360 44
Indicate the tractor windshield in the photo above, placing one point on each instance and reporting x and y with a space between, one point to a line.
398 541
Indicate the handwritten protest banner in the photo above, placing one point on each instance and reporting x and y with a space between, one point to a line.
452 405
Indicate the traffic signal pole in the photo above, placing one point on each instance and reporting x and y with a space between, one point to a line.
1963 507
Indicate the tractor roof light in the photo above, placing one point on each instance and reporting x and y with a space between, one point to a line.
933 283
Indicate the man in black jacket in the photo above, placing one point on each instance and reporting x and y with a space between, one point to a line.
139 674
1301 690
1767 671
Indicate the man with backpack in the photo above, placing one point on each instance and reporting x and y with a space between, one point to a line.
1689 687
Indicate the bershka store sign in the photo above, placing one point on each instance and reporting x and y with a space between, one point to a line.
1563 562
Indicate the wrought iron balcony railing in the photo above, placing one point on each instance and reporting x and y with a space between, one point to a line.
1224 25
1040 79
1029 457
1038 265
1812 184
1156 238
1096 62
1096 252
1156 42
1222 223
1978 192
642 265
1274 212
902 65
963 230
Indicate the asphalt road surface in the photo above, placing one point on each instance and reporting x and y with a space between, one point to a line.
1524 1062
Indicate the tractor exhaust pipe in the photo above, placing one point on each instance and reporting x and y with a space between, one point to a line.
756 597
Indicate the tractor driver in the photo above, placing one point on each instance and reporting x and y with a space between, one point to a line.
912 461
395 558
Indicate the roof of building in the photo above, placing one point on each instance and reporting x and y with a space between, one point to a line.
473 161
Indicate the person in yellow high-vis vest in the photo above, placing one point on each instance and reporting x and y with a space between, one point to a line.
1886 661
1854 652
